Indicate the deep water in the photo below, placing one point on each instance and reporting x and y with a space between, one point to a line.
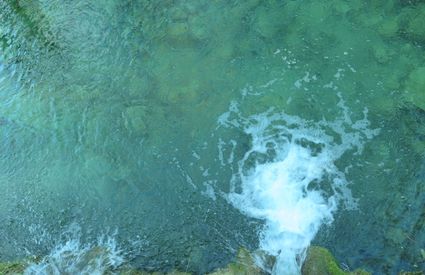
176 132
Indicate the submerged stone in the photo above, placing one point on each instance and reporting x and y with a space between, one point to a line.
267 23
178 30
415 27
178 14
198 28
382 53
389 27
179 35
341 7
136 116
415 87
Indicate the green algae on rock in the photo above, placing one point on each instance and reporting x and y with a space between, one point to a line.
244 265
12 268
320 261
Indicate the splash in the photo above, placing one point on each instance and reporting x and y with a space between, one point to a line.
289 179
74 257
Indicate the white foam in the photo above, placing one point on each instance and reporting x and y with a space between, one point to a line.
73 257
281 179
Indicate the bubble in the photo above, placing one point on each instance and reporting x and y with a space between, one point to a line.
288 177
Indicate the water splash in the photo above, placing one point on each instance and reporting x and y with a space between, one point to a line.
74 257
289 179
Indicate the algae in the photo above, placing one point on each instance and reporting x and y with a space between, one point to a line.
244 265
12 268
320 261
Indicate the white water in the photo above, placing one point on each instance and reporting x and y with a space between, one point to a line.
73 257
282 178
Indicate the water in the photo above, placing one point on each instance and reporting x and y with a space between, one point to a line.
166 135
283 176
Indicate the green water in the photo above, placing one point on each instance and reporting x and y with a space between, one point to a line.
109 110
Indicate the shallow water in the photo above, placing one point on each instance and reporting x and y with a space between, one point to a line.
135 121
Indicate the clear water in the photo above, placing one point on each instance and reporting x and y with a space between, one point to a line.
175 132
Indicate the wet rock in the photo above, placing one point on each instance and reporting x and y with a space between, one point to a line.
320 261
12 268
139 272
244 265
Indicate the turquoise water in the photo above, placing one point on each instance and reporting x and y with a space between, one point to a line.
178 128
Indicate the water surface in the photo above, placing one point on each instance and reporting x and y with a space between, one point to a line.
158 125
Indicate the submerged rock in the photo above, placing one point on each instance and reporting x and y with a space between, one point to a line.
382 53
415 27
415 87
199 28
136 116
178 30
411 21
264 25
389 27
